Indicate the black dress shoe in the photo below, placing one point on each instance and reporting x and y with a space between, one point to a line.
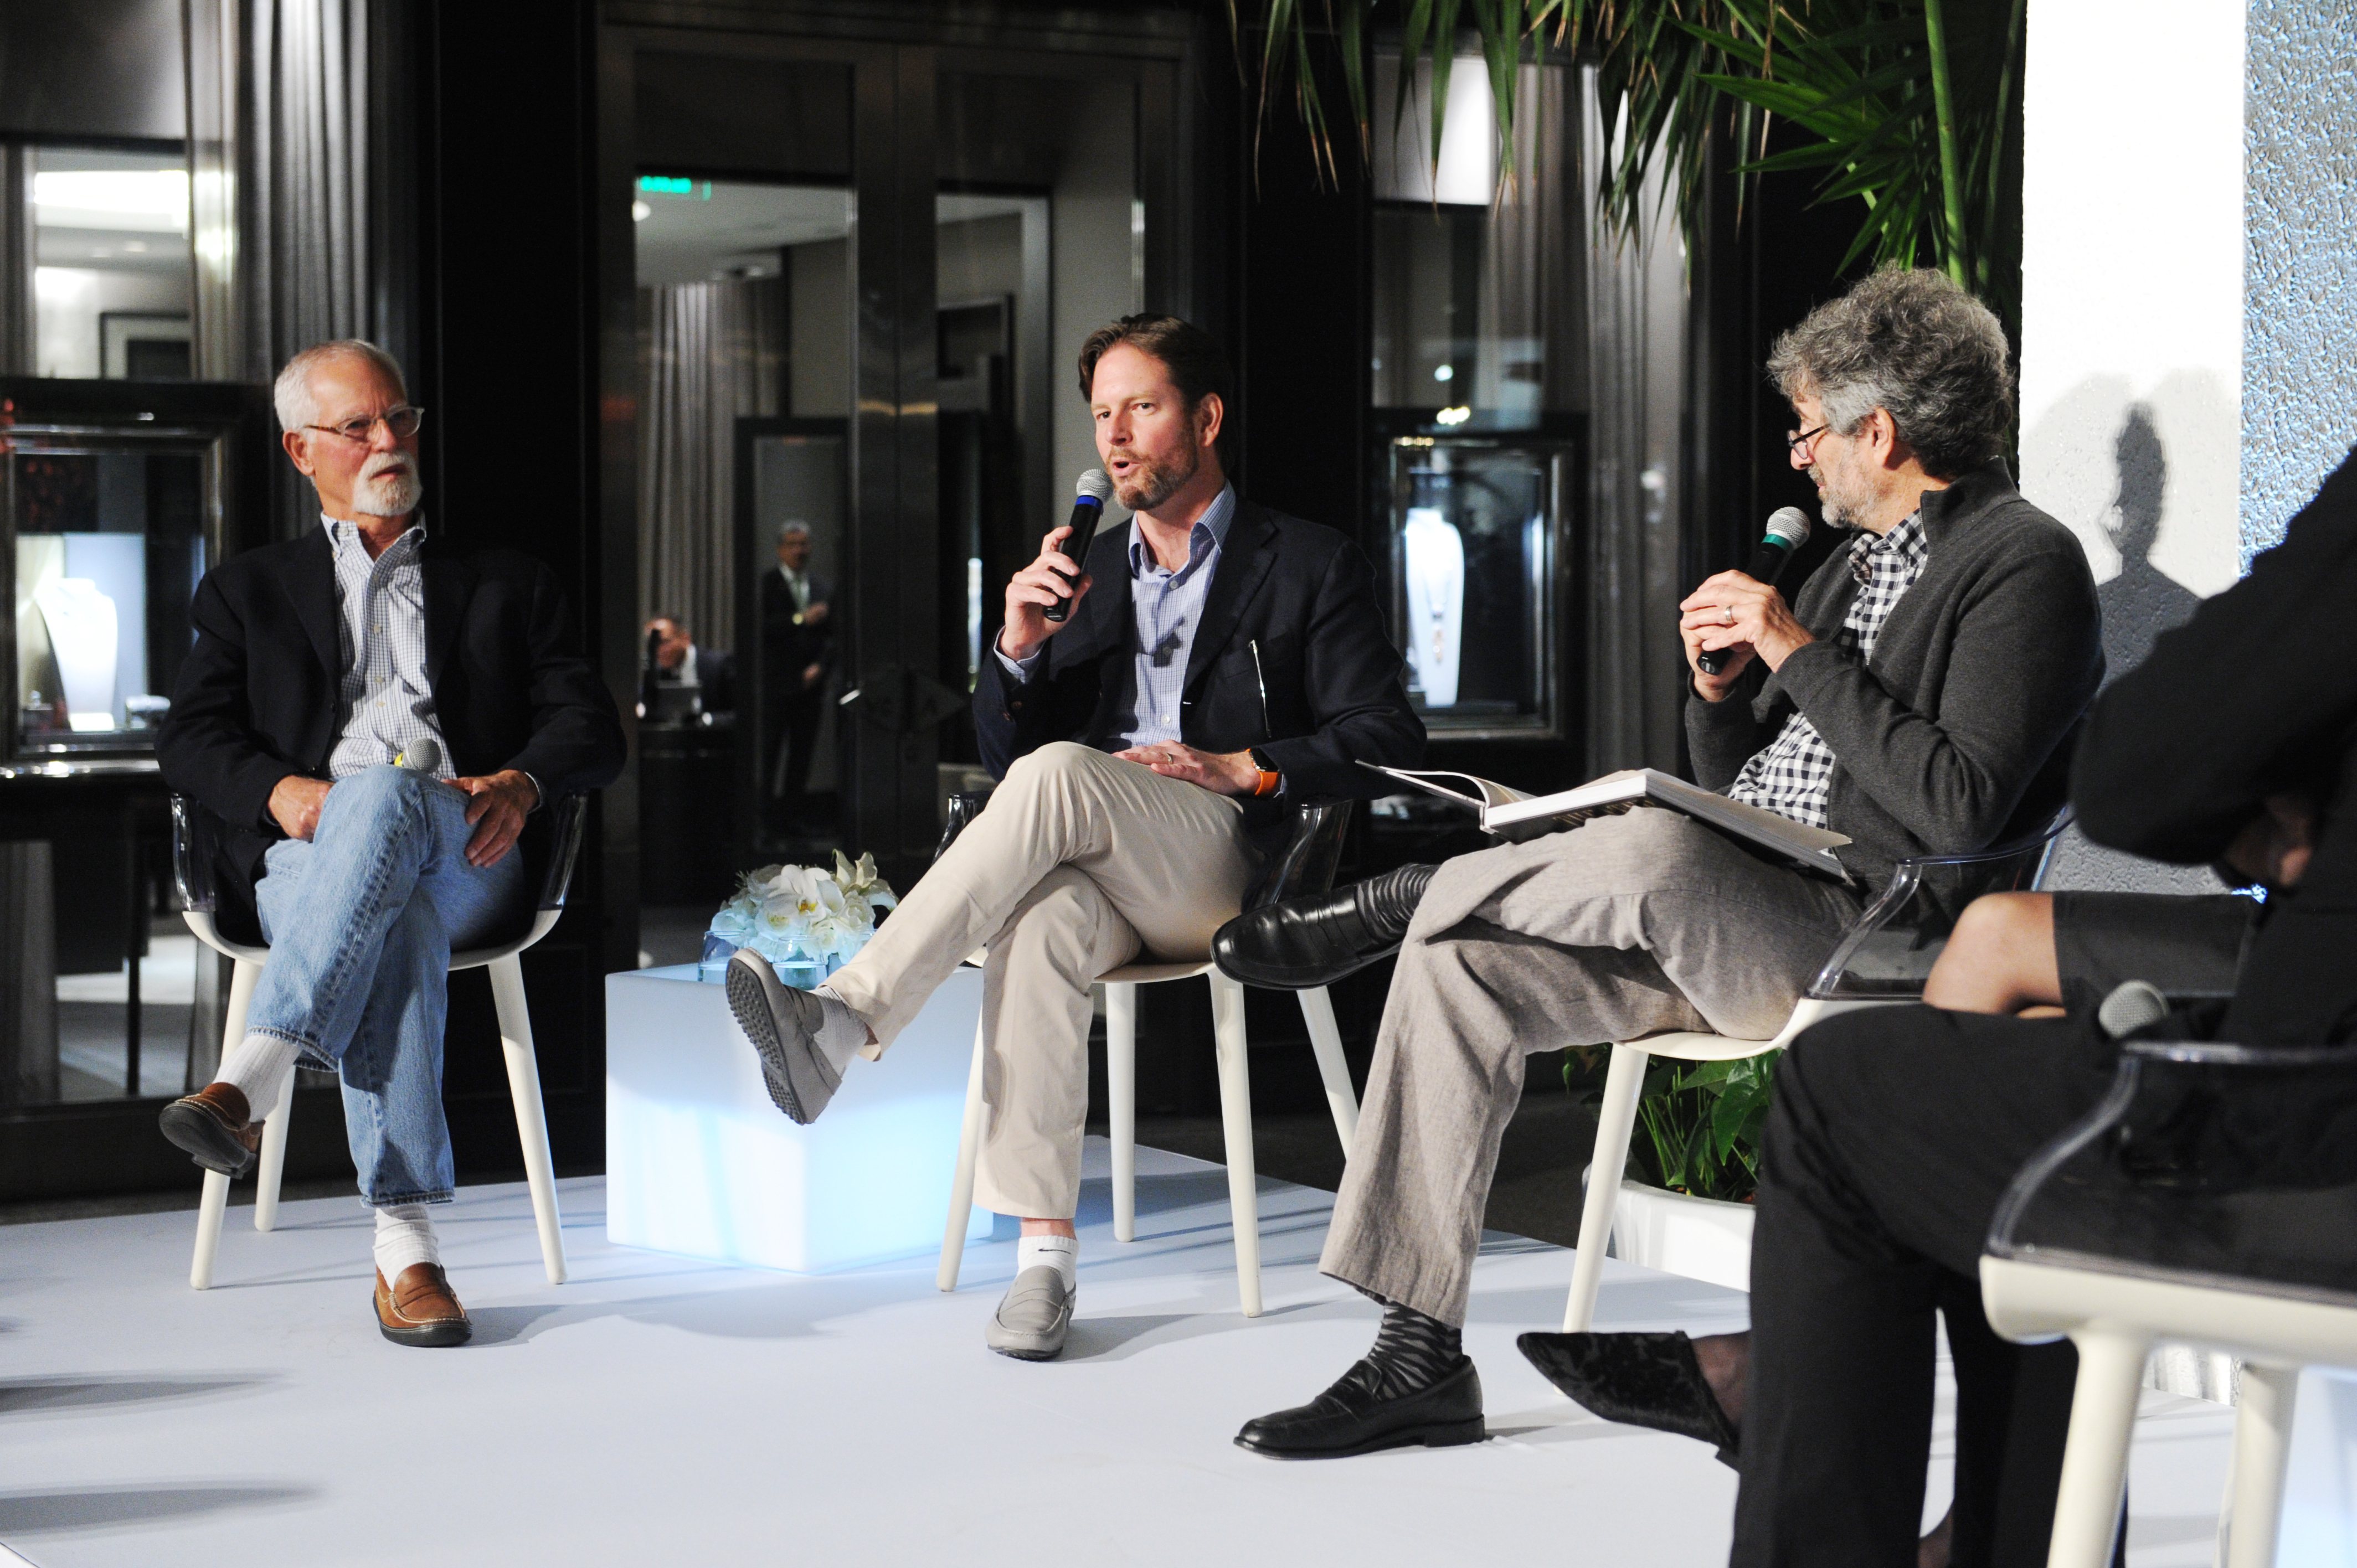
1642 1379
1299 944
1351 1418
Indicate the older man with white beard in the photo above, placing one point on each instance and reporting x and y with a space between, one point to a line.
372 713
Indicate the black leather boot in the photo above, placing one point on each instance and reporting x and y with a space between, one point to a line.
1302 943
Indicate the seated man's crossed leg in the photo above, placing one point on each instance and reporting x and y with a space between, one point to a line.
361 919
1079 862
1624 927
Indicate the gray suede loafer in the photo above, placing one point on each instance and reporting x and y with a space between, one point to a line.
1034 1316
783 1024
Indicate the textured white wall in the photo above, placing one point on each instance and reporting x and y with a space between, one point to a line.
2132 292
2132 319
2299 334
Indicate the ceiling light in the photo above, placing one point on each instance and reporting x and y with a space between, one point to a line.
1445 373
112 199
640 212
1457 415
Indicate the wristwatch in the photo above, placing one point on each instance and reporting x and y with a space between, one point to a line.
1270 776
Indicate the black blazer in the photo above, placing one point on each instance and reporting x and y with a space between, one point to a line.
716 677
1305 595
257 697
2246 700
787 649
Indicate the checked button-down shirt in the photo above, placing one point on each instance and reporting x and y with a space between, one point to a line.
1791 774
387 704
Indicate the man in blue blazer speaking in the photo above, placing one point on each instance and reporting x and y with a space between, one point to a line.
1221 663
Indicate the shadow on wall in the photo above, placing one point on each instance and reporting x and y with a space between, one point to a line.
2142 601
2149 484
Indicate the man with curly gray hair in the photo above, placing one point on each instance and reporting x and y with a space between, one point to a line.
1914 697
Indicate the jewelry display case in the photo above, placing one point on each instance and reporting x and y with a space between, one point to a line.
1480 537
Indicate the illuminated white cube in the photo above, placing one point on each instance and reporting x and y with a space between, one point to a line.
699 1161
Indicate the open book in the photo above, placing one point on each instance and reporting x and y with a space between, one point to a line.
1511 814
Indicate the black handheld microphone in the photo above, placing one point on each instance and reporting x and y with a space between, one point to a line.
1088 507
1787 531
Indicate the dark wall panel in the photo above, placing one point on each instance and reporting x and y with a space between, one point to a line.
507 260
104 70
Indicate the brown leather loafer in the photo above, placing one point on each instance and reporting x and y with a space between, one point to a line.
420 1308
213 1126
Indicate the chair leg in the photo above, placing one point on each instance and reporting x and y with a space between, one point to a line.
214 1204
2262 1442
2096 1460
1235 1112
1121 1090
272 1165
531 1116
1615 1120
961 1183
1325 1045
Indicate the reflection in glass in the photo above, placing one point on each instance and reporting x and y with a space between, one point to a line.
744 321
108 548
1475 525
111 267
1477 278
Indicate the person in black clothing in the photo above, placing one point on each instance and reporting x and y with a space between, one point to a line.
680 660
1895 1132
1222 665
372 712
797 652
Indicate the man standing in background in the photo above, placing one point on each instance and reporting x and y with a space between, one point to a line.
797 652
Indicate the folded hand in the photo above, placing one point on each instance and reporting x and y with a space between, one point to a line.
500 804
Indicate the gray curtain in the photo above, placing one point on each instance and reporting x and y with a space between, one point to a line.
302 186
710 353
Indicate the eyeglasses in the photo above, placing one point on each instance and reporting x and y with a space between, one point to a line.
402 420
1802 443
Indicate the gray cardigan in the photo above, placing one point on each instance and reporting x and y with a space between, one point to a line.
1950 739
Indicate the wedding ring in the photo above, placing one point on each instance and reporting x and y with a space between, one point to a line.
1731 613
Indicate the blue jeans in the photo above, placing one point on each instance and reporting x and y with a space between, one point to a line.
360 922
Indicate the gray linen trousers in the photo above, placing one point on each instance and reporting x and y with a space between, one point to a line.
1950 738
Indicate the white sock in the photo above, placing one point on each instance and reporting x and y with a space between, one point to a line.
841 1032
404 1236
257 1067
1061 1254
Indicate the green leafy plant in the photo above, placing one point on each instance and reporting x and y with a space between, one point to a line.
1910 107
1699 1121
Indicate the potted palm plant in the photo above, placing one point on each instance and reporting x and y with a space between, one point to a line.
1910 107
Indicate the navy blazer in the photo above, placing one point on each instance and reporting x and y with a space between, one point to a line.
258 695
1305 595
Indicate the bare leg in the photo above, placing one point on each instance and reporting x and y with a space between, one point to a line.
2000 959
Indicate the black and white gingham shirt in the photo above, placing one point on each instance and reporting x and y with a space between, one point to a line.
1790 775
388 705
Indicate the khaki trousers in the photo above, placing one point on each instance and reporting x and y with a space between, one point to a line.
1622 927
1078 863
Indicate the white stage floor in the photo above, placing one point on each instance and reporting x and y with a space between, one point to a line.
664 1411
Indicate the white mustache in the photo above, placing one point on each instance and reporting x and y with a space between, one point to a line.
382 463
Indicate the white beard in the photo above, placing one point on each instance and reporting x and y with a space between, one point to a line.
388 486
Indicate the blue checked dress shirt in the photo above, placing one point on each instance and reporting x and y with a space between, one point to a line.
1169 609
387 701
1791 775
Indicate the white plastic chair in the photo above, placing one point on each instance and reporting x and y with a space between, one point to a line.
1307 865
1883 959
2202 1203
192 837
